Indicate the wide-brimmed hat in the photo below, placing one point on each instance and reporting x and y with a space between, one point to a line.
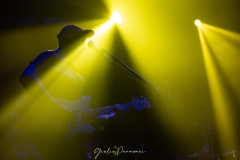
73 31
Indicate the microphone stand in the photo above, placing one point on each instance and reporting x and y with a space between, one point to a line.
132 72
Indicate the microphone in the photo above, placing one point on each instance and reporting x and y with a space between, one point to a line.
92 45
102 51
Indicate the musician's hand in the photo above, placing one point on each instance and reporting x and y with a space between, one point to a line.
107 116
118 113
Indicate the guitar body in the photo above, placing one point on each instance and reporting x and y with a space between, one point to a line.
78 107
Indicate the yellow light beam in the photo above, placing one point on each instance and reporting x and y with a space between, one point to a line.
221 102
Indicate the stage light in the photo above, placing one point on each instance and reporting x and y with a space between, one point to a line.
198 23
116 17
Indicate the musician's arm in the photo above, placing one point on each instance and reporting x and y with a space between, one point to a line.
34 86
32 83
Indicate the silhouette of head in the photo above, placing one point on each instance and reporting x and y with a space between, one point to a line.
71 34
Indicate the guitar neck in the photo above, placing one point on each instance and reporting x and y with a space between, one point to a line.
102 111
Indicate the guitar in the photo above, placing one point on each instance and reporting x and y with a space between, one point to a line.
81 113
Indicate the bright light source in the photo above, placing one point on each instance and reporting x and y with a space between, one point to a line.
198 23
116 18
